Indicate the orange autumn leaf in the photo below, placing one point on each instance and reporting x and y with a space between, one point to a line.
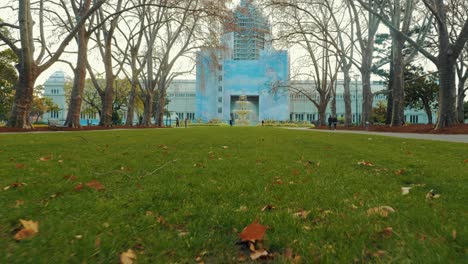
128 257
30 229
79 187
366 163
465 161
253 232
95 185
19 165
44 158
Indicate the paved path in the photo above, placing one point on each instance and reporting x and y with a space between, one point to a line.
439 137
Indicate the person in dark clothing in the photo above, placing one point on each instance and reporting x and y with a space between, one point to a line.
335 121
177 122
186 121
263 122
230 122
330 121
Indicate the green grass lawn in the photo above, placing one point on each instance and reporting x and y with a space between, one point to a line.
173 195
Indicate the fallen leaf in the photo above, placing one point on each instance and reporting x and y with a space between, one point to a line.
18 203
388 231
150 213
60 161
225 147
19 165
400 172
44 158
258 254
198 259
95 185
405 190
79 236
128 257
302 214
379 253
79 187
432 195
465 161
253 232
97 242
366 163
15 185
454 234
30 229
381 210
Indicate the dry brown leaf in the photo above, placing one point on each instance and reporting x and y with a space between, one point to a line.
150 213
30 229
225 147
94 184
465 161
79 187
253 232
400 172
45 158
18 203
454 234
128 257
258 254
97 242
379 253
15 185
366 163
381 210
19 165
302 214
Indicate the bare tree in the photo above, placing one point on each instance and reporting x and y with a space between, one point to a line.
365 33
308 26
31 66
452 38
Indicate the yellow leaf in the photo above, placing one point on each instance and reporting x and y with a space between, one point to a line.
30 229
405 190
128 257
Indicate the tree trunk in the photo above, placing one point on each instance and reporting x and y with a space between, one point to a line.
148 109
461 98
447 115
107 100
428 110
27 69
398 96
161 107
76 100
322 109
366 94
388 117
347 99
333 104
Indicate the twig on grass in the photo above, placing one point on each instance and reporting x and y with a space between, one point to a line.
162 166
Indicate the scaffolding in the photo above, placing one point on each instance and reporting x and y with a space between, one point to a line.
252 32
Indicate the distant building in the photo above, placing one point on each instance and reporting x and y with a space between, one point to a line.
245 65
54 88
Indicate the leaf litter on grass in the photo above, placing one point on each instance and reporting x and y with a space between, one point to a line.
30 229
